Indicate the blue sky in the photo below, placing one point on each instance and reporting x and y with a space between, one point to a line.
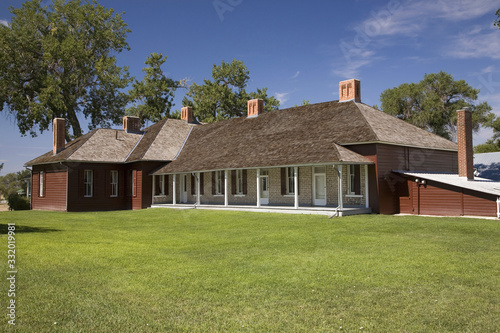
301 49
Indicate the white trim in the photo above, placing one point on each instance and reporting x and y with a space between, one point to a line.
498 208
117 182
226 200
174 190
367 188
353 195
182 147
296 186
125 160
87 182
258 188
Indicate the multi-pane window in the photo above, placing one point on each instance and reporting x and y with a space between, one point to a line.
290 181
160 185
42 182
88 183
219 182
239 181
353 180
114 183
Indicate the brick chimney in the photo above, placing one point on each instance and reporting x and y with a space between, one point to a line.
131 124
255 107
350 90
464 141
59 134
187 114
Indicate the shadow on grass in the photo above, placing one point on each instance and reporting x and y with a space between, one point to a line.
24 229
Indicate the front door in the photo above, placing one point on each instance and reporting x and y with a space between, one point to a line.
184 193
264 187
319 186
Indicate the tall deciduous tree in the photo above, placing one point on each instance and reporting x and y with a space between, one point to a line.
59 61
432 103
153 96
225 96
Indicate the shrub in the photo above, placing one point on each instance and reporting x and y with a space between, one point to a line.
18 202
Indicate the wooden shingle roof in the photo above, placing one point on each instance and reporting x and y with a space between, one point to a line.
310 134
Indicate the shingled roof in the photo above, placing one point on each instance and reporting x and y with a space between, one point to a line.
160 142
310 134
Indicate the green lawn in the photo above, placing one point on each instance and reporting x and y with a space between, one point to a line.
161 270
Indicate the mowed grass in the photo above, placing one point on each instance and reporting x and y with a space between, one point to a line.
162 270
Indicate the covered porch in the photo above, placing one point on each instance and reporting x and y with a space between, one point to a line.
336 189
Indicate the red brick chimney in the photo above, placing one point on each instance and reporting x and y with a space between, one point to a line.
131 124
255 107
187 114
350 90
464 141
59 134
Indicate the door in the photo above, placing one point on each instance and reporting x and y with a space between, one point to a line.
184 193
264 187
319 186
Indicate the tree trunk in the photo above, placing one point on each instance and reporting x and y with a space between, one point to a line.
75 124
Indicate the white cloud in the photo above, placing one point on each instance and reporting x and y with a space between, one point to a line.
475 45
351 70
489 69
296 75
282 97
4 22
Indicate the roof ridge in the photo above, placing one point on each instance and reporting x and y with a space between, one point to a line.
152 141
366 120
84 140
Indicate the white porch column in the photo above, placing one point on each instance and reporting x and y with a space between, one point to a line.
198 201
174 191
296 187
367 192
258 188
226 201
341 201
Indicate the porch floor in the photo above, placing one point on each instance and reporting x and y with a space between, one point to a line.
330 211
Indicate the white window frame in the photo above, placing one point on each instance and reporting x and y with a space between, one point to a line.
114 183
41 183
239 182
88 184
161 180
290 181
219 182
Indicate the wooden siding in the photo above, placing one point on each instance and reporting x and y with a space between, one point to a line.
55 187
444 200
391 157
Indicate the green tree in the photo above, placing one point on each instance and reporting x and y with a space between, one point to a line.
304 102
225 96
13 182
432 104
1 166
497 22
153 96
59 61
490 146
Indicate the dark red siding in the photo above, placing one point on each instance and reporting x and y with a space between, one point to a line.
55 187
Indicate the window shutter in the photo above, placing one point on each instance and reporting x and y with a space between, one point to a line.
283 181
213 182
244 181
193 184
165 181
233 182
202 183
357 180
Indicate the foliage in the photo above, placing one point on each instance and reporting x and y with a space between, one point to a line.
166 270
489 147
225 96
58 61
432 103
1 166
13 182
497 22
155 93
18 202
304 102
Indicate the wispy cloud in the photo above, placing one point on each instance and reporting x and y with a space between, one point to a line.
4 22
476 44
489 69
282 97
296 75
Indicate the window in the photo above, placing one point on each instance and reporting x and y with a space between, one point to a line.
88 183
353 180
160 185
114 183
219 182
290 181
42 183
133 182
239 181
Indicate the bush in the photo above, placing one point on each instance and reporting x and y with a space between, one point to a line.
18 202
